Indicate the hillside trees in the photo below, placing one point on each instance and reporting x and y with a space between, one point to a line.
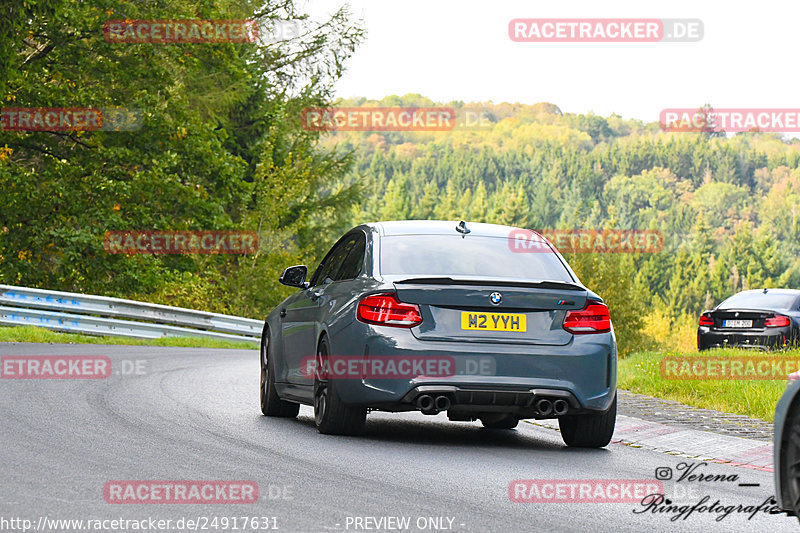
728 207
220 147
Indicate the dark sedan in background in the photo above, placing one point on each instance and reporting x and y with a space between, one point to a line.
519 334
760 319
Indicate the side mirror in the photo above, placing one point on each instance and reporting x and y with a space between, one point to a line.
295 276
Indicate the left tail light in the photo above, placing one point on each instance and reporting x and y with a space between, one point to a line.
777 321
705 320
593 318
386 310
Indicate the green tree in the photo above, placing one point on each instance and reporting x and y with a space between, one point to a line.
220 147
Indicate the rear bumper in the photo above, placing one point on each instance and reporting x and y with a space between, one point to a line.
582 372
467 402
765 339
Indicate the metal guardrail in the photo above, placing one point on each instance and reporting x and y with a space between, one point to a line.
101 315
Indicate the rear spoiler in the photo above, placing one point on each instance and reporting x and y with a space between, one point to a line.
541 284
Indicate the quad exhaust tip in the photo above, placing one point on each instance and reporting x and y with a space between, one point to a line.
442 403
430 405
560 407
544 406
425 403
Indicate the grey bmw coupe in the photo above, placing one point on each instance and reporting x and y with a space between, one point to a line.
481 321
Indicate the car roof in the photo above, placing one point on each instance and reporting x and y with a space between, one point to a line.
439 227
758 303
794 292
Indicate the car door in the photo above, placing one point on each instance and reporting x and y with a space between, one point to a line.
337 309
299 323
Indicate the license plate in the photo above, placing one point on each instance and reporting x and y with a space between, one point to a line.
493 321
737 323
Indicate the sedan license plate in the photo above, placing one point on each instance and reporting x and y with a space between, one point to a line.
493 321
737 323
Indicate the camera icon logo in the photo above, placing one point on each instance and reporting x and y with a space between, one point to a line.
663 473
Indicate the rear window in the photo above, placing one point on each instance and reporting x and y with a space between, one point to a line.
759 300
454 255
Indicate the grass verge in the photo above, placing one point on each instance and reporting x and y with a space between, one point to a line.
34 334
641 373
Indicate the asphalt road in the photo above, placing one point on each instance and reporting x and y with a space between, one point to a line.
192 414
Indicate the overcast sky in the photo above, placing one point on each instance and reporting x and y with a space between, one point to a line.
460 50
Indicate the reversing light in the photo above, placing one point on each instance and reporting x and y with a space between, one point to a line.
593 318
386 310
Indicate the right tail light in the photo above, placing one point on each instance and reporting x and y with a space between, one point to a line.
777 321
593 318
386 310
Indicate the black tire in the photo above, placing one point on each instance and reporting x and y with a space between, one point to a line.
331 416
507 422
589 431
271 404
791 460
